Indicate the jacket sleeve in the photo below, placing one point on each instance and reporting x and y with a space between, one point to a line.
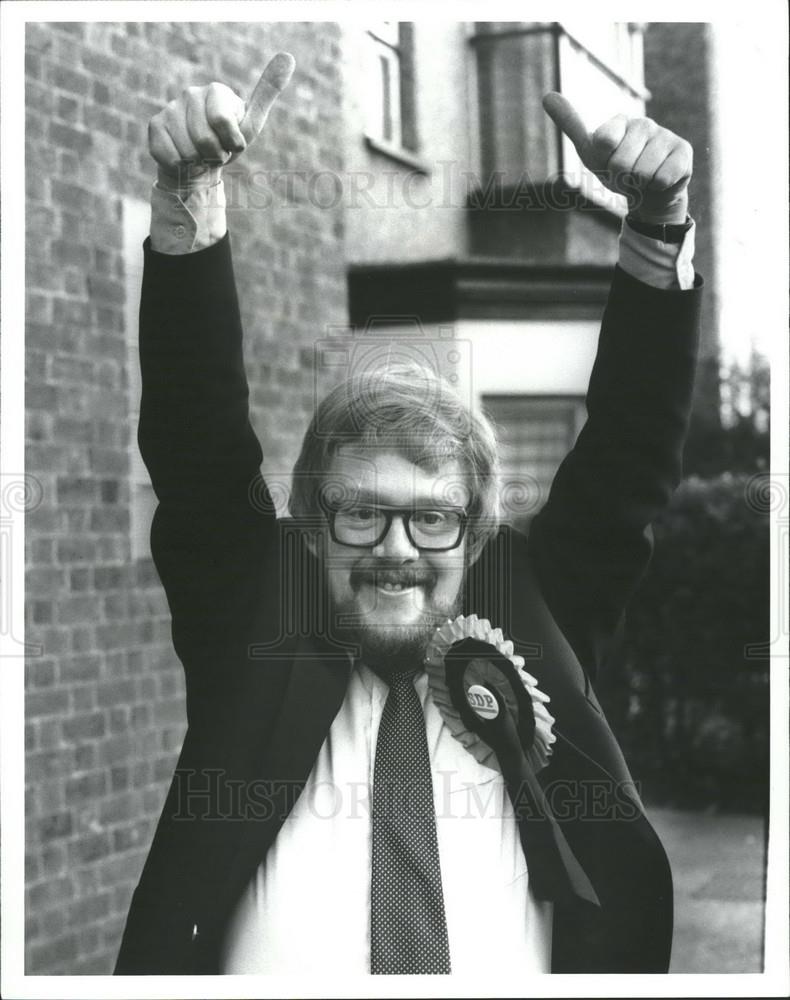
592 541
214 527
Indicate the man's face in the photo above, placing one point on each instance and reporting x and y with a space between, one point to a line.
390 597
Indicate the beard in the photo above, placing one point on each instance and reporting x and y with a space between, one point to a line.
393 648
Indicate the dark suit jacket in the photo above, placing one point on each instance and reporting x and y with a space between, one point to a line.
265 679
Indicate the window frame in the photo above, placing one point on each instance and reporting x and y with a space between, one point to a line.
394 135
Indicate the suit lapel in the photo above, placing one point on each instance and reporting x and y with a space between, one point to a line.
312 699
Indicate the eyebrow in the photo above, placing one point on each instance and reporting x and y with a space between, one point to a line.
369 497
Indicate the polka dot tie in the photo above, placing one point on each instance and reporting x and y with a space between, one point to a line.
408 931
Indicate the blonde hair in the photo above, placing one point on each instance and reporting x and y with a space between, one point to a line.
409 410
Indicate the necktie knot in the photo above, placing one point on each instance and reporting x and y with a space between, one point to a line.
401 680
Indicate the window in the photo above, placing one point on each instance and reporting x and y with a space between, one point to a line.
535 434
390 117
597 65
142 499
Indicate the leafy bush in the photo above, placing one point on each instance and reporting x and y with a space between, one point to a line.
688 694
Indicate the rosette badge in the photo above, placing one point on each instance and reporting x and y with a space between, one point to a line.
481 688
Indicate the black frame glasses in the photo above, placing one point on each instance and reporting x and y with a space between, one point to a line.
406 514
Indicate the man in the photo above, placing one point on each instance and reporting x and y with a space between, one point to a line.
275 851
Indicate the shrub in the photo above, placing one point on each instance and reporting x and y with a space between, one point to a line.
688 693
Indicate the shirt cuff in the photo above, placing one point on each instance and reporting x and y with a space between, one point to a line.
184 222
662 265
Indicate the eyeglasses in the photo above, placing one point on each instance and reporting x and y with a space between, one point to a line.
364 526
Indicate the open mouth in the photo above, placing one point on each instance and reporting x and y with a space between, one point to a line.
395 589
391 585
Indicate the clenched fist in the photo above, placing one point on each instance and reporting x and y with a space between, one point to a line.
650 165
207 127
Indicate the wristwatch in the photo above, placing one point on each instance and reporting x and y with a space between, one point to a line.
664 231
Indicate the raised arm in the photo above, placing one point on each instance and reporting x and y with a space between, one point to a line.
214 522
592 541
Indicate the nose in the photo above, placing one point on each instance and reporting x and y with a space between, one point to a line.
395 544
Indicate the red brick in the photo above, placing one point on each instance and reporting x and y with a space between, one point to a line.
77 431
32 870
54 640
68 109
54 860
38 97
79 579
84 698
85 787
72 196
55 826
105 290
50 733
117 692
71 138
48 764
51 702
76 609
76 520
53 923
82 640
84 756
100 119
91 847
101 92
77 550
110 519
65 78
85 727
32 65
67 253
119 719
109 577
85 911
42 675
51 955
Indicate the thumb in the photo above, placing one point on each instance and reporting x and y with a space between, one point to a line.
273 81
568 120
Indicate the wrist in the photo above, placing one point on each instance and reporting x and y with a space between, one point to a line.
189 177
655 213
665 232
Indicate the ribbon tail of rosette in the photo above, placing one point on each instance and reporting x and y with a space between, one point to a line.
554 871
509 729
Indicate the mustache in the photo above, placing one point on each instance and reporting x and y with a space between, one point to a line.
404 575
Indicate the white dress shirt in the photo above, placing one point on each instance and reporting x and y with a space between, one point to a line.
307 908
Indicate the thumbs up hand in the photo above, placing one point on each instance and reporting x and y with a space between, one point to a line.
205 128
650 165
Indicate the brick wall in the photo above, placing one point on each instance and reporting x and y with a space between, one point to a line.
104 701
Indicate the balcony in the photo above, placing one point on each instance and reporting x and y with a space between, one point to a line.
534 196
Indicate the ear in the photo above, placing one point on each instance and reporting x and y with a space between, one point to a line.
476 541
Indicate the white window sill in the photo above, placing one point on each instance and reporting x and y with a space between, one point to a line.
397 153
